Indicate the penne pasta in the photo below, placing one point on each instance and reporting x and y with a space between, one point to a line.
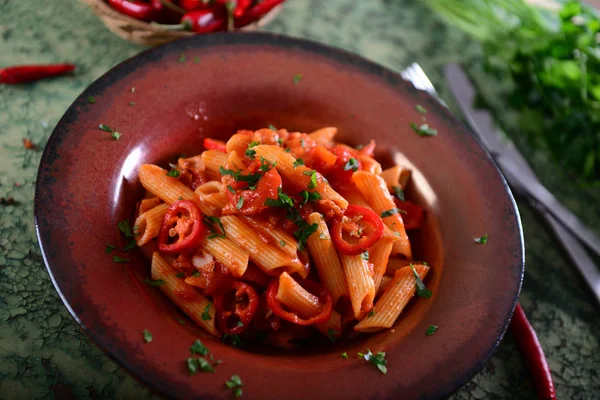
361 286
268 258
148 203
149 223
296 298
273 235
168 189
324 136
374 188
396 176
326 259
385 282
184 296
213 161
212 198
391 303
379 254
228 253
300 176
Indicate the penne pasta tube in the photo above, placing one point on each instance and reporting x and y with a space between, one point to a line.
168 189
148 203
361 286
324 136
273 235
326 259
270 259
391 176
394 264
374 188
184 296
333 326
149 223
296 298
300 175
228 253
379 254
391 303
212 198
213 161
385 282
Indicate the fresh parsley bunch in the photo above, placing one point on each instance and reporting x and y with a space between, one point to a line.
553 57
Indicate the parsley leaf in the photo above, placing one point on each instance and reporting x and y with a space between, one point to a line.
130 245
154 282
378 360
352 164
250 179
205 365
236 341
209 221
393 211
147 336
421 109
91 99
126 229
344 355
231 189
173 173
399 193
115 135
118 259
131 103
105 128
180 275
182 57
309 196
298 162
240 203
198 348
365 255
283 200
333 334
322 236
422 291
371 313
235 384
249 152
423 130
271 127
297 78
313 178
431 330
109 248
282 243
192 366
482 240
205 313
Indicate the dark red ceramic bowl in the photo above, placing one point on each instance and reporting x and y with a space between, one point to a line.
88 182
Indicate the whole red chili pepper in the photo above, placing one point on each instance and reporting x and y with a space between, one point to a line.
257 11
29 73
133 8
204 21
533 353
191 5
167 11
240 6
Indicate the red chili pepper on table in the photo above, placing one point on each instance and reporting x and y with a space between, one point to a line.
257 11
204 21
133 8
355 233
30 73
182 220
533 353
166 11
236 310
313 287
191 5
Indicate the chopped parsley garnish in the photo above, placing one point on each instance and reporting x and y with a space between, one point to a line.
288 150
180 275
115 135
182 58
282 243
154 282
309 196
131 103
250 179
205 313
302 142
182 322
231 189
173 173
195 274
209 221
323 236
393 211
130 245
180 198
198 348
333 334
126 229
239 323
147 336
298 162
304 231
344 355
422 291
249 151
196 60
431 330
283 200
266 165
109 248
118 259
105 128
482 240
371 313
192 366
235 384
399 193
236 341
352 164
272 127
423 130
313 178
240 203
365 255
196 365
91 99
297 78
378 360
421 109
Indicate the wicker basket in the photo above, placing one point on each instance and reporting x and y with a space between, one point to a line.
144 33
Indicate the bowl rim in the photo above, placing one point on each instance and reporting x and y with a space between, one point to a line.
277 40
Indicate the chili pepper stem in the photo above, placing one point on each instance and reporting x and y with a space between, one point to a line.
172 27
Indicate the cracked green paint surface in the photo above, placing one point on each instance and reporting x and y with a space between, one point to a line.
44 355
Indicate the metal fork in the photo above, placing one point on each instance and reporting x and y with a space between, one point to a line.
570 244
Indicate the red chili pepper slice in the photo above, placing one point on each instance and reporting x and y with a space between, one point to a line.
236 310
183 219
254 200
29 73
414 217
133 8
313 287
212 144
357 230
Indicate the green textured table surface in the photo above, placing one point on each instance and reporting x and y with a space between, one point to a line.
43 353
